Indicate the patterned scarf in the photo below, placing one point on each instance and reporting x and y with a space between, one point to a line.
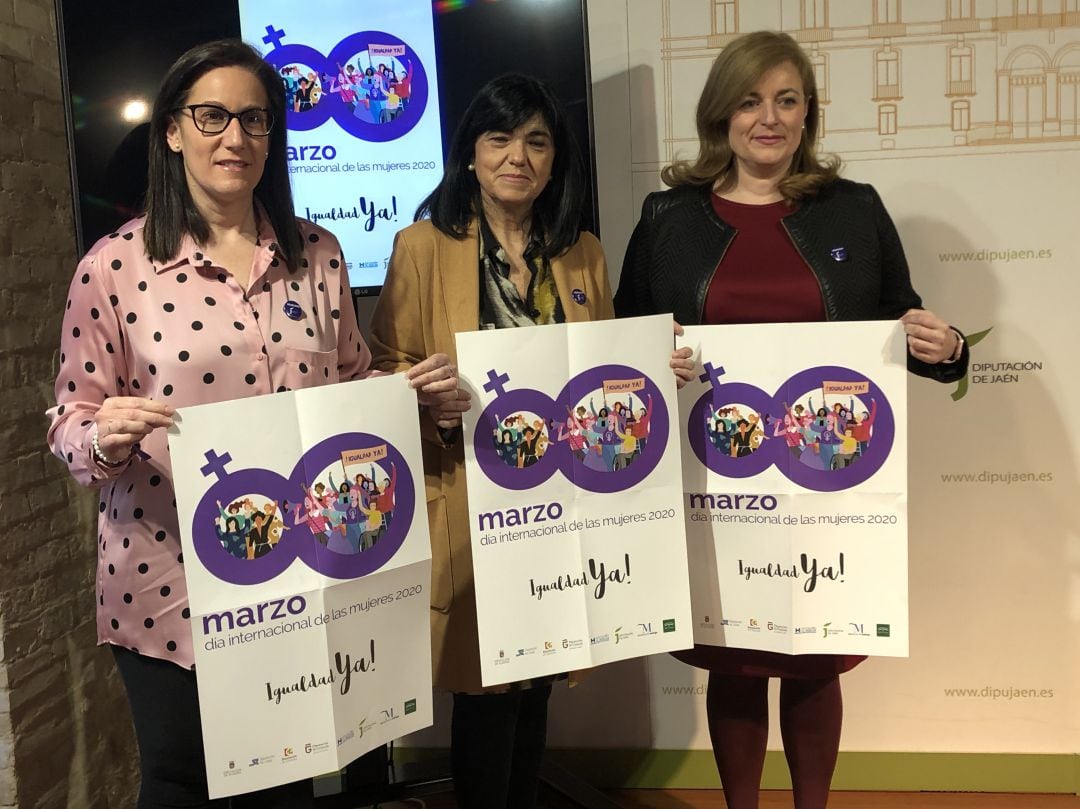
501 304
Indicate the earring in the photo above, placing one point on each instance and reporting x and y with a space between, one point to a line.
471 167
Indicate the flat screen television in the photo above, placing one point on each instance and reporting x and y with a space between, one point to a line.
374 90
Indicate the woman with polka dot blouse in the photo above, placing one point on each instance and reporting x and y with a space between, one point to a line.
217 293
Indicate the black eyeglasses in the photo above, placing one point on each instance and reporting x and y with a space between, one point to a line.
211 119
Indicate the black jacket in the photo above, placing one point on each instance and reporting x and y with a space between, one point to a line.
843 233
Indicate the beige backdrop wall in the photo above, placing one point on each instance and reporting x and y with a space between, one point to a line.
965 117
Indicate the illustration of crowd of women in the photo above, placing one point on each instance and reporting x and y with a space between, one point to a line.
377 94
247 531
303 90
346 518
604 440
520 441
826 439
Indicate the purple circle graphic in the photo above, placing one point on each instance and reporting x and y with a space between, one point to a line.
351 566
587 383
487 455
365 106
877 449
299 541
395 122
208 545
559 455
288 55
704 443
774 449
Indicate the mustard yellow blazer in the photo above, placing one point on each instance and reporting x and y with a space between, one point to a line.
432 292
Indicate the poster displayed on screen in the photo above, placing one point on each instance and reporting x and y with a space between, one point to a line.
365 150
361 93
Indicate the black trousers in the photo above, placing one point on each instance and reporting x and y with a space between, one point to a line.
165 708
496 746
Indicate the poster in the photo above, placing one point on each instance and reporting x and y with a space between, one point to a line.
795 467
575 497
307 563
361 92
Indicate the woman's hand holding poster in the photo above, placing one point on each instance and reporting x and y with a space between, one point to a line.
795 468
575 496
307 564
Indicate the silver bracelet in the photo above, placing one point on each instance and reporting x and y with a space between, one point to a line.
958 352
100 456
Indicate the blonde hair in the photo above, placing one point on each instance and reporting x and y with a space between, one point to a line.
733 75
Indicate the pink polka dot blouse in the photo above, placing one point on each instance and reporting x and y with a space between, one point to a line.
184 333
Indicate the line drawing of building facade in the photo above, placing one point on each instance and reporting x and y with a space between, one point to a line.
896 78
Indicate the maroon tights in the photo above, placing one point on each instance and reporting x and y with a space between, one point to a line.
811 712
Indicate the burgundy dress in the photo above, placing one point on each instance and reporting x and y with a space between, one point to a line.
762 279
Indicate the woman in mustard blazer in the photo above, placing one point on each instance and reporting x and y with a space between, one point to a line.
496 245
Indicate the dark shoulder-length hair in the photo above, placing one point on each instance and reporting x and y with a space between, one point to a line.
502 105
170 211
734 73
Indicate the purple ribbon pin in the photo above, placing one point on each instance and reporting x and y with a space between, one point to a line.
293 310
578 295
838 254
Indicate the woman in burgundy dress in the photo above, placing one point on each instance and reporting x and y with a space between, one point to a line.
757 229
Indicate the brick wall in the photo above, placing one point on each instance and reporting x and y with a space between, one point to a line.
65 735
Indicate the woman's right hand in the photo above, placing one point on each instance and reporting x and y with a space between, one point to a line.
122 421
435 380
447 413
